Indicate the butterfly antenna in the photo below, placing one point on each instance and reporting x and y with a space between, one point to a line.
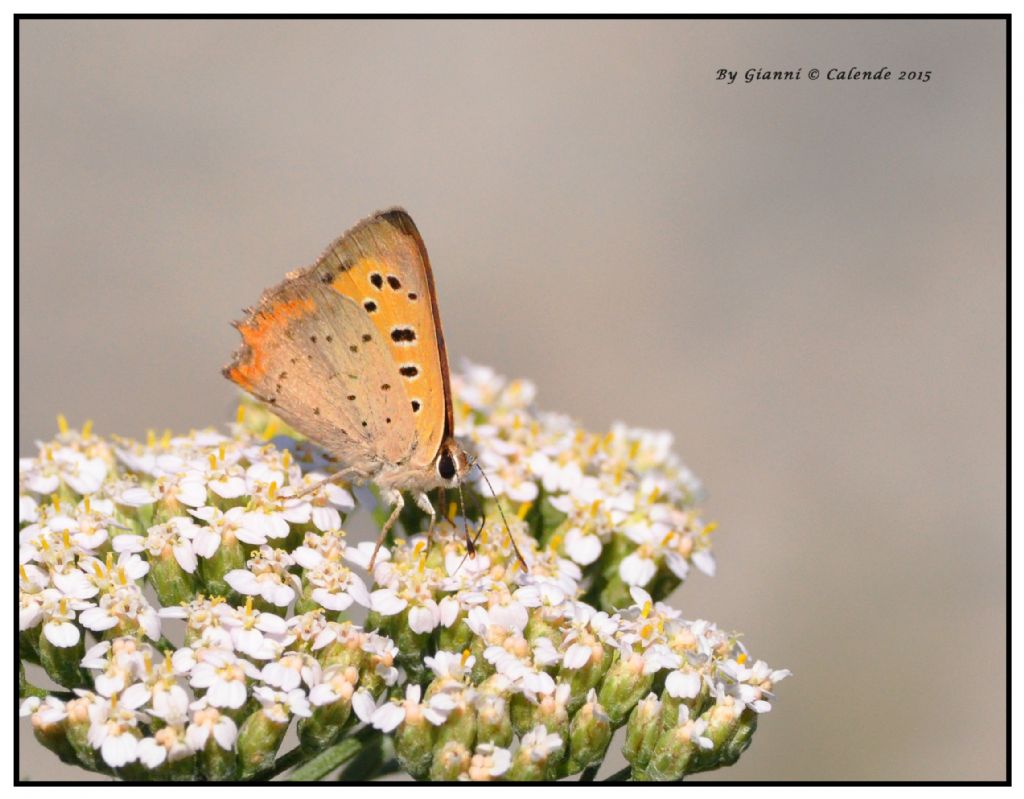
519 555
470 543
483 521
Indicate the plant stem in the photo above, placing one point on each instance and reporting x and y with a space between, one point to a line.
324 763
366 765
286 761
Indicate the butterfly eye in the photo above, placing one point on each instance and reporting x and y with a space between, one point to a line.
446 466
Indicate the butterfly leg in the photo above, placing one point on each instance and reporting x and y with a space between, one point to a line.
332 478
394 498
423 503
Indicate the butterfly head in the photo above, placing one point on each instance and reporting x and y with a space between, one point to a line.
452 464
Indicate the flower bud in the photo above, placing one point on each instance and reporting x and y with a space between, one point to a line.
172 583
415 744
218 764
411 646
258 740
28 644
304 603
460 725
493 722
62 662
49 725
450 761
615 595
723 721
77 727
457 637
319 730
230 555
581 680
537 757
623 686
672 754
589 735
642 731
740 739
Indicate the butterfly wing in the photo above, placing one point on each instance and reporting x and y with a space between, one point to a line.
318 360
381 265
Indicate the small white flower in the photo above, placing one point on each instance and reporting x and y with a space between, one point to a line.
280 706
489 761
224 677
390 715
207 721
538 744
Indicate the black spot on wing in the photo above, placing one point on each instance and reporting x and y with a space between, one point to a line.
409 371
394 282
370 306
401 335
377 280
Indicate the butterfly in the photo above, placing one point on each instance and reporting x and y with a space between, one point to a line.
350 353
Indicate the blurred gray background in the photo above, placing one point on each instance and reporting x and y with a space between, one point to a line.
804 281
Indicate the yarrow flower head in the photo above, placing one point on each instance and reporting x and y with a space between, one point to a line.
201 595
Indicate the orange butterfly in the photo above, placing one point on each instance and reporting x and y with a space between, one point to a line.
350 353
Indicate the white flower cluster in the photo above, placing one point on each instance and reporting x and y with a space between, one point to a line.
627 482
129 542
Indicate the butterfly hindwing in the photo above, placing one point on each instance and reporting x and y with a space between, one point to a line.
319 361
381 265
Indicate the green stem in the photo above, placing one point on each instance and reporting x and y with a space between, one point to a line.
367 764
286 761
324 763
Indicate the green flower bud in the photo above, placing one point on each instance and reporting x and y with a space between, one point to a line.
642 731
723 721
537 757
415 743
589 735
77 727
343 653
540 627
322 728
218 764
450 761
304 603
28 644
460 725
229 555
411 646
53 735
493 721
672 754
62 662
615 594
582 679
623 686
741 738
172 583
521 714
258 740
457 637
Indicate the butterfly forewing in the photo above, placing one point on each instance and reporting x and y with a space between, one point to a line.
350 351
382 266
316 358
